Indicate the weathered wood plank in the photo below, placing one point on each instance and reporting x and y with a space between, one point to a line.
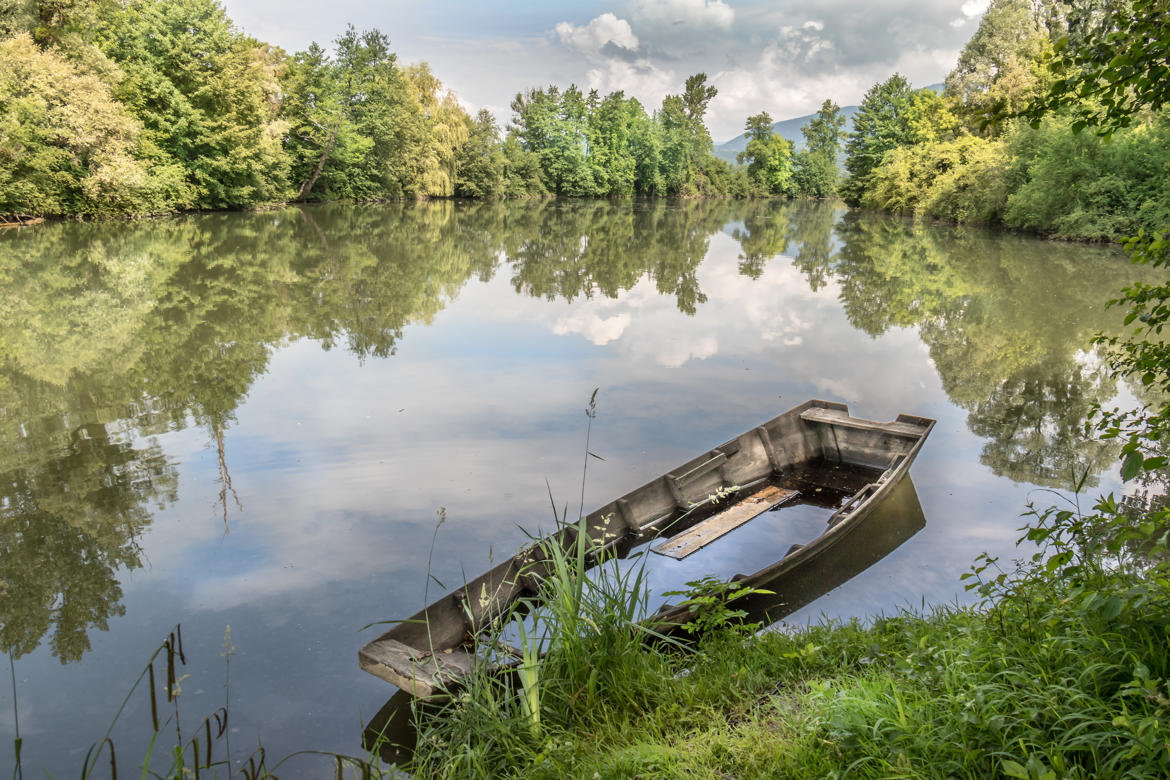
725 522
419 672
838 417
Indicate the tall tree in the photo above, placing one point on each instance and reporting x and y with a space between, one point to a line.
815 170
206 95
442 131
1001 66
480 161
314 108
769 156
879 126
66 145
688 165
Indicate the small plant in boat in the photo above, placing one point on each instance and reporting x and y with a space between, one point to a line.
709 602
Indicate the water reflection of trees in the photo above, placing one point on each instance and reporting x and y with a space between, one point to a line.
111 334
1008 322
569 250
75 492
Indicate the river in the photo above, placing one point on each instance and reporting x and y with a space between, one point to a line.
254 420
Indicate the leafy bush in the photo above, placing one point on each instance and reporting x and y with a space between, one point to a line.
1079 186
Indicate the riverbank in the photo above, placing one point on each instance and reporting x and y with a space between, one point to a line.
1062 672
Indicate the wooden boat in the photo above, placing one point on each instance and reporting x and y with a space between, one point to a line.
895 518
814 454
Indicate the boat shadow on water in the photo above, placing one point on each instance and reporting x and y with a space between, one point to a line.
893 519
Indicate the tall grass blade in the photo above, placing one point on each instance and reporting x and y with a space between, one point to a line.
17 742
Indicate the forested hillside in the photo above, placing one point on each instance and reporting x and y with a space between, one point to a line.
974 154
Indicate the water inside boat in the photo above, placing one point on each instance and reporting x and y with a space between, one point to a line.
821 488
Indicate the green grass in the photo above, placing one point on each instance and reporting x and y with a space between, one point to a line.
1060 673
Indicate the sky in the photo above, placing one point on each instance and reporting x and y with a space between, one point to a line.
781 56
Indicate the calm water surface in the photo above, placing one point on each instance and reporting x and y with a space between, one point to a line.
252 420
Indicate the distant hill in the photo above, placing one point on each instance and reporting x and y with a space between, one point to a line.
789 129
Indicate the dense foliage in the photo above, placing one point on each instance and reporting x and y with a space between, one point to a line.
969 157
146 106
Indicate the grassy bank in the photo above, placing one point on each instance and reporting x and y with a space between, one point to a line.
1061 673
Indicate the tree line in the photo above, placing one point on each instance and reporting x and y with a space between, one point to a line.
145 106
987 151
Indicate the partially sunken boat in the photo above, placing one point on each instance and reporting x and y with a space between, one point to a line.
814 454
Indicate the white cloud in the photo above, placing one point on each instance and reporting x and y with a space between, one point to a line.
675 352
611 47
647 47
642 79
970 10
598 330
706 13
767 84
592 39
973 8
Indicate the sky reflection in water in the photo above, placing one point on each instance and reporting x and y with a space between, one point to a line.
252 419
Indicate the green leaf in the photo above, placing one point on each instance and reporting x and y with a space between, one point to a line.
1154 463
1131 466
1013 769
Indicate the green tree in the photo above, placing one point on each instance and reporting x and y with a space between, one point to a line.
611 150
879 126
207 97
553 125
314 108
1003 63
480 163
366 129
67 146
768 155
1111 67
815 171
522 173
688 165
432 154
